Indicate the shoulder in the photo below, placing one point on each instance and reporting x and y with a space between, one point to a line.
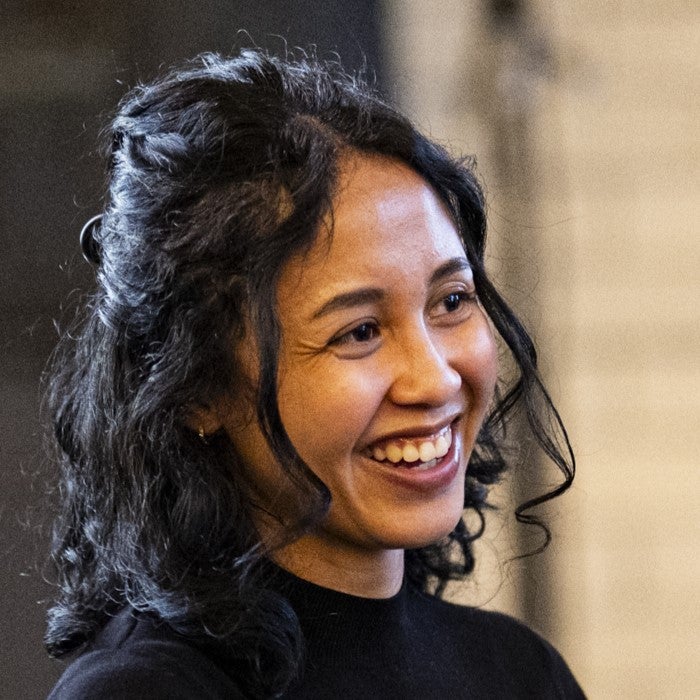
501 650
135 656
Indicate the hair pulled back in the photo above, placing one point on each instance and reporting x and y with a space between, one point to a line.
218 173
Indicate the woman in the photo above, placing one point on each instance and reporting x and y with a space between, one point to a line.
280 403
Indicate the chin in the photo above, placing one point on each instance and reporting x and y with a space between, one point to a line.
423 531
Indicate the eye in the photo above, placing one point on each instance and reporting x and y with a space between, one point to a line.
362 333
456 300
453 307
453 301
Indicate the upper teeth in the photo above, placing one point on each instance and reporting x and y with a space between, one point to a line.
408 450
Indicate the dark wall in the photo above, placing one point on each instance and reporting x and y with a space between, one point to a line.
64 66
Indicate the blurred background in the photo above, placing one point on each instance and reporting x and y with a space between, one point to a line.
584 120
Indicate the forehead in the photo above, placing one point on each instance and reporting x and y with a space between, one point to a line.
385 220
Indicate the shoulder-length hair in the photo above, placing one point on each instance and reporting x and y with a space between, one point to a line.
218 173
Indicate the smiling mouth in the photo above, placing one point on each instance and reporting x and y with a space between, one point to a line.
414 453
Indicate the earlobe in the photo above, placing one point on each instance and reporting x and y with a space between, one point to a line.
203 420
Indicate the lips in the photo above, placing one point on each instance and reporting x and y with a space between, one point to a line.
413 453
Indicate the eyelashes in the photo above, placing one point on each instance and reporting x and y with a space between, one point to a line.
454 301
362 333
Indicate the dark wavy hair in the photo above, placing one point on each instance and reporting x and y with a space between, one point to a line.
218 173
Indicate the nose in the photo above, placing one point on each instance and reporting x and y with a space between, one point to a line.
423 372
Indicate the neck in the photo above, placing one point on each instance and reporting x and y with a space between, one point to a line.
363 573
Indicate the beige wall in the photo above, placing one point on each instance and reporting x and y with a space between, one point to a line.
611 286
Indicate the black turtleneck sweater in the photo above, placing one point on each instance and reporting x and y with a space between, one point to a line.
410 646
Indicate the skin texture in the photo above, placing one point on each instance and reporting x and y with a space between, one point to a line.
407 354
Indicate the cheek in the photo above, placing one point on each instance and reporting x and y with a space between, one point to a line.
479 364
326 409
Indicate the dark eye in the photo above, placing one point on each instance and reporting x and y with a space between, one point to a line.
453 301
362 333
454 306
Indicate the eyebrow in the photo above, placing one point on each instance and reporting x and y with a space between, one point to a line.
372 295
358 297
449 267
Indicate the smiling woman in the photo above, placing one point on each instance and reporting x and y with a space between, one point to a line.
280 403
385 354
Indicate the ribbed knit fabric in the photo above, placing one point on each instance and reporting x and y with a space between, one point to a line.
410 646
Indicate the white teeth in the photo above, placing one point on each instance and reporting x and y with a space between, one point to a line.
427 451
394 453
441 446
410 453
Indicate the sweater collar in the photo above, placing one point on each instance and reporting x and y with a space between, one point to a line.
334 620
308 597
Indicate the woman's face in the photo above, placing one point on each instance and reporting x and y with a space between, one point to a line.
386 368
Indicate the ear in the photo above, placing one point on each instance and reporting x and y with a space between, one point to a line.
203 419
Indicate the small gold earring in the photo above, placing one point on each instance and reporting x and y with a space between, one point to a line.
202 434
